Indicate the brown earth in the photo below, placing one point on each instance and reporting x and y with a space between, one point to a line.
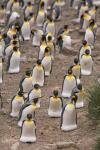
48 130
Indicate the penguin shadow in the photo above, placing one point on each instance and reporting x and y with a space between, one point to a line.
68 52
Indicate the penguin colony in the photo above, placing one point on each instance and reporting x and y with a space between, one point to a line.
35 20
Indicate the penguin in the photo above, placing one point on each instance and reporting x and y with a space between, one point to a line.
15 6
51 44
38 75
80 92
37 35
13 17
68 84
41 15
31 21
9 5
9 49
2 14
42 47
47 62
92 12
11 32
83 8
26 30
83 48
26 109
28 130
35 92
50 27
55 105
57 9
89 36
76 69
86 63
28 9
93 27
1 70
16 103
64 40
25 84
13 65
56 12
69 116
86 18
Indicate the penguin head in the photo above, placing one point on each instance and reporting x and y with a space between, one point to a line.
47 49
65 27
42 4
38 62
29 3
59 38
76 61
43 38
15 48
25 19
91 23
17 26
70 71
84 43
87 52
49 38
84 2
20 93
14 37
36 86
79 86
55 93
4 35
2 7
74 98
34 101
29 116
28 73
15 1
14 42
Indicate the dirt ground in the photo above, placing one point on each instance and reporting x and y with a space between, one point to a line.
48 129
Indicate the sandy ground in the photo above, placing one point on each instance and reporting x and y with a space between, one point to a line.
48 129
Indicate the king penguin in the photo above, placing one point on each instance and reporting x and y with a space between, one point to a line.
25 84
69 116
83 48
76 68
28 9
16 104
89 36
11 32
37 36
26 30
41 15
86 63
47 62
55 105
15 6
68 84
51 44
26 109
35 92
28 130
50 26
1 71
13 65
80 92
38 75
86 18
42 47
